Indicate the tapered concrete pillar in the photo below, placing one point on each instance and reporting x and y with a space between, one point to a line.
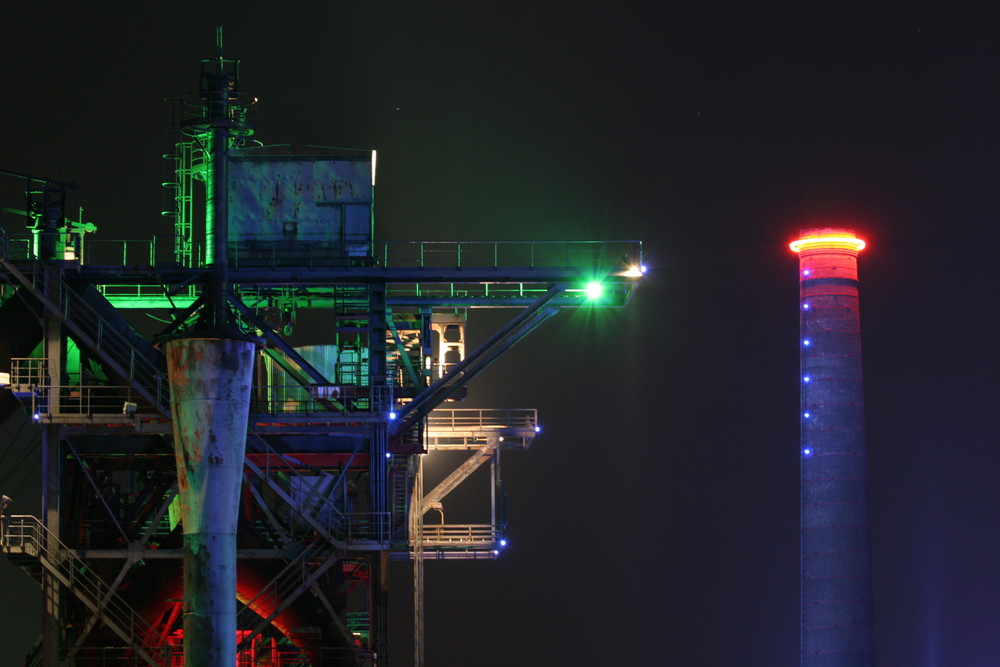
210 381
837 612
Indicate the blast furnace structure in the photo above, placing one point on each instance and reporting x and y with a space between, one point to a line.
837 627
212 494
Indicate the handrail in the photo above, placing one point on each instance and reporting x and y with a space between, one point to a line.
418 254
105 337
458 535
81 400
283 399
337 527
496 254
272 599
28 372
24 534
486 419
314 496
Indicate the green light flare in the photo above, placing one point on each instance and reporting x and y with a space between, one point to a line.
594 290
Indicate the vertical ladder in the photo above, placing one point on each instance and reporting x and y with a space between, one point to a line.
181 192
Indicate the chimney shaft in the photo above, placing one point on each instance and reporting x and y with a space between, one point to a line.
837 625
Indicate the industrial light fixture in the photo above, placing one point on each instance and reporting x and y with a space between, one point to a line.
634 271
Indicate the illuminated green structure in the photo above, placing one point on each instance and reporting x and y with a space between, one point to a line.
331 487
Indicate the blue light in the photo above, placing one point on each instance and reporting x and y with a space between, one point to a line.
805 306
388 455
538 429
36 416
806 272
503 543
392 415
496 552
806 378
643 268
807 415
807 451
807 342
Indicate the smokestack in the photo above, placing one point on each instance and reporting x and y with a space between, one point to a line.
837 620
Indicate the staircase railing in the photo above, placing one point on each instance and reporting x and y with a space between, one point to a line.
297 576
92 330
25 535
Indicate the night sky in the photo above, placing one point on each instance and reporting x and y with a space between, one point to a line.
655 522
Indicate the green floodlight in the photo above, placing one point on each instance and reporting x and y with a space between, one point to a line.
594 290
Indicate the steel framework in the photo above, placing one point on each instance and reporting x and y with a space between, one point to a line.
331 486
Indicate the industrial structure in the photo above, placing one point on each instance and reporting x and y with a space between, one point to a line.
212 495
837 626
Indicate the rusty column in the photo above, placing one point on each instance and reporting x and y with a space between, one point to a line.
210 381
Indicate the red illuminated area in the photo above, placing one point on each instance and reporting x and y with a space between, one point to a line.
827 240
262 651
828 252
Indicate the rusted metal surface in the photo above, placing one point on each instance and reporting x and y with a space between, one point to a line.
210 381
278 195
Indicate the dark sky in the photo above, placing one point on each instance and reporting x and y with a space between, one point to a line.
656 520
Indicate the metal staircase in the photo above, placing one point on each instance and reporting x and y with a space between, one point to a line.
77 310
25 538
326 519
298 575
399 484
332 534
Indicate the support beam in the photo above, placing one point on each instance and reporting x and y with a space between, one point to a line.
460 474
403 356
53 345
511 334
272 337
417 539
